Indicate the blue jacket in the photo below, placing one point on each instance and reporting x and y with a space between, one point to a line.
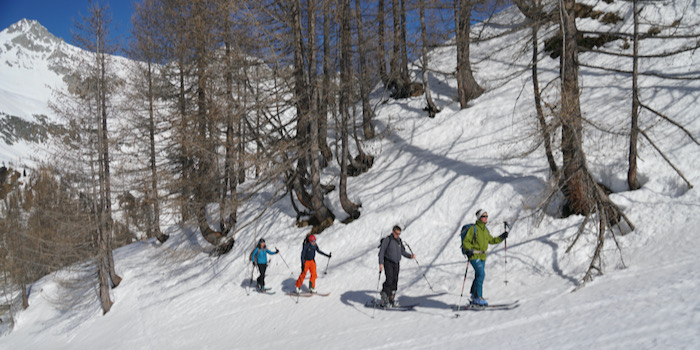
260 256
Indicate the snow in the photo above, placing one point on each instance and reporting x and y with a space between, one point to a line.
430 176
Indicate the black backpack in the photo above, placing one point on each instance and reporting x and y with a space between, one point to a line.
462 234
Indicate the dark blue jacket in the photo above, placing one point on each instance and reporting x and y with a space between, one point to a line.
308 252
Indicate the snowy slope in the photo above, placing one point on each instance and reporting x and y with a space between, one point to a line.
430 176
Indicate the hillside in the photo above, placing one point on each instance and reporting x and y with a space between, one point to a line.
430 176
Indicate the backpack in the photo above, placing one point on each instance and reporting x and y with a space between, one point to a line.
463 233
381 241
250 258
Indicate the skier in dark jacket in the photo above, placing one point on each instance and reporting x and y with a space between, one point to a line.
259 257
390 252
308 263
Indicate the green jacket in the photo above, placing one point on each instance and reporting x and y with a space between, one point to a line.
479 242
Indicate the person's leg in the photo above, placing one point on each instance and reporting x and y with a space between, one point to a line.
479 275
261 278
388 278
313 273
392 279
300 280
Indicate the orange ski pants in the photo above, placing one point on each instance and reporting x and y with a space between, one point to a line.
309 265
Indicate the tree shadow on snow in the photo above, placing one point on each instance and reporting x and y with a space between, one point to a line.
449 160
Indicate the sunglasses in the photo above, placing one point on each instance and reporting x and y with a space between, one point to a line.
484 216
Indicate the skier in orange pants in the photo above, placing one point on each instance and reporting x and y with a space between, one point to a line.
308 254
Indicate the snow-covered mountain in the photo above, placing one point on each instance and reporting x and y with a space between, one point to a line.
32 63
430 176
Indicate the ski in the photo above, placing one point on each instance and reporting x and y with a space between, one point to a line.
307 294
265 291
492 307
374 303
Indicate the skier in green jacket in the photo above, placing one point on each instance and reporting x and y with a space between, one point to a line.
476 243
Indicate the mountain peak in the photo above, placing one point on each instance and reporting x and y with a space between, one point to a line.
29 26
31 34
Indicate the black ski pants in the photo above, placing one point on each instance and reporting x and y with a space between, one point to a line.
261 279
391 270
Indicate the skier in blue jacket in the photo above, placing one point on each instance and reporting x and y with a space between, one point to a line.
259 257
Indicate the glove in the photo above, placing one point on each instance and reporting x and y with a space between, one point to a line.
277 250
470 253
504 235
329 255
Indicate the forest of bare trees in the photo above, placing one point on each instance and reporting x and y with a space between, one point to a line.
228 98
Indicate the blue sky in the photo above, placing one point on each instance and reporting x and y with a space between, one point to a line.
57 15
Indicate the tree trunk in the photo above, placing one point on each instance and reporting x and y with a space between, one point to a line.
632 180
103 277
467 86
430 108
155 200
532 10
240 122
577 187
185 158
25 297
104 145
381 49
367 112
231 115
345 77
324 216
404 50
546 136
396 82
301 97
326 87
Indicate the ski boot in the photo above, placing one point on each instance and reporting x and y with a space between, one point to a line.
392 300
479 302
384 302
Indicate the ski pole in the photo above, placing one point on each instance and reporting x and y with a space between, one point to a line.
285 262
379 279
252 270
506 227
426 278
464 282
505 266
327 263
